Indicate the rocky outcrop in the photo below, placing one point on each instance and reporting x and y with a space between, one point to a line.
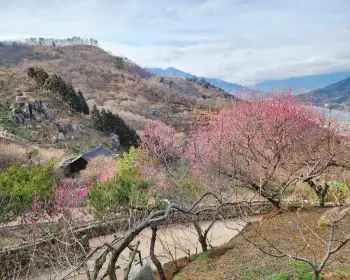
33 111
141 272
71 131
61 137
114 141
331 217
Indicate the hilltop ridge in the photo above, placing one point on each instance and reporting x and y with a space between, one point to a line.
131 92
336 95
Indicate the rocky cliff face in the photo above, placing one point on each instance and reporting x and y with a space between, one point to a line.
33 111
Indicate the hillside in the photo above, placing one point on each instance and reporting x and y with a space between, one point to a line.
173 72
336 95
303 83
132 93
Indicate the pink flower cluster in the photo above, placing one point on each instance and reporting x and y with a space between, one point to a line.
108 173
35 209
66 194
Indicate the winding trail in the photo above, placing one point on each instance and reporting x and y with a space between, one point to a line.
178 240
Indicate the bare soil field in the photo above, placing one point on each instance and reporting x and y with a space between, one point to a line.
243 261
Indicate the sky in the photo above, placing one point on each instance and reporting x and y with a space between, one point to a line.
242 41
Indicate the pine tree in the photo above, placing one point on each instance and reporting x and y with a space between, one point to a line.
118 62
69 95
38 74
107 122
84 108
57 86
40 77
31 72
95 117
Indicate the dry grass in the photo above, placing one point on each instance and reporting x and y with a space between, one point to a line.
91 70
10 153
132 93
92 173
49 154
243 261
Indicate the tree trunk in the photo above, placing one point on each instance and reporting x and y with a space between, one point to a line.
201 238
153 256
320 191
322 194
275 204
322 199
316 275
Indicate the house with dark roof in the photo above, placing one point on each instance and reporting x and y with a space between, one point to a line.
76 164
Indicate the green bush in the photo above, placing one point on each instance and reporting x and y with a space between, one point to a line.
203 256
127 190
281 276
303 271
338 192
19 184
118 62
191 186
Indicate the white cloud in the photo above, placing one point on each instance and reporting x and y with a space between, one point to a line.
238 40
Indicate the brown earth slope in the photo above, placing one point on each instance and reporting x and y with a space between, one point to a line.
132 92
243 261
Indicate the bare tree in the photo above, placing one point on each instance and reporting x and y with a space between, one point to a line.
332 245
153 256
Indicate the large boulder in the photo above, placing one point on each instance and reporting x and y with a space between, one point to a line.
70 131
18 117
114 141
138 272
38 116
36 111
26 110
332 216
44 108
61 137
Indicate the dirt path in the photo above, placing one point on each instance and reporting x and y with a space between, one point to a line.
178 241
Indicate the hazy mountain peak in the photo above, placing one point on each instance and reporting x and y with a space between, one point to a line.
176 73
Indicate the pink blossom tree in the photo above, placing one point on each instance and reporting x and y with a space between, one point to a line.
160 156
266 146
67 194
161 141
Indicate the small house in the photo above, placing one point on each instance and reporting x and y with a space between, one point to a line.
76 164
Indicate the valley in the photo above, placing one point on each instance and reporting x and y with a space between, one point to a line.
110 170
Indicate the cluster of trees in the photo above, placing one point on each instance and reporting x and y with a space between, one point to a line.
203 82
57 86
107 122
264 146
118 62
40 41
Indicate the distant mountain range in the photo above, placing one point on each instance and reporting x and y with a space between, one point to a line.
176 73
302 84
336 95
299 85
